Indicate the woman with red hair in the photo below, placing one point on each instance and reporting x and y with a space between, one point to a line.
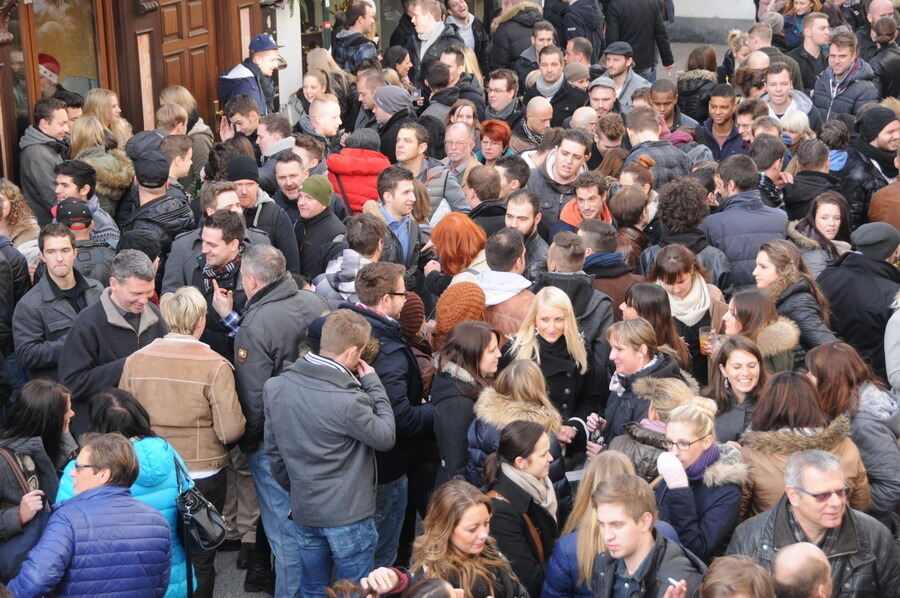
459 244
495 136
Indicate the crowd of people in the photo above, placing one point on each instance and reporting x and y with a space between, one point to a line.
563 330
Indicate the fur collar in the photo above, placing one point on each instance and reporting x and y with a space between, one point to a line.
804 241
522 6
456 371
499 410
729 469
779 336
115 172
787 441
698 74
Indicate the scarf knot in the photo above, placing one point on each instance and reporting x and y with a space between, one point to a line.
540 490
224 274
698 468
548 90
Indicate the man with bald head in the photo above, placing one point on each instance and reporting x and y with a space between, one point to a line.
757 61
528 133
459 144
878 9
802 570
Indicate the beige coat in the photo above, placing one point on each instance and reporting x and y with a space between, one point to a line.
188 390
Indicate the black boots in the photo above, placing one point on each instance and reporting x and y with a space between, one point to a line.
260 575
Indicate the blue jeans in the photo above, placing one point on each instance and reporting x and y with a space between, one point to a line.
346 549
390 508
274 508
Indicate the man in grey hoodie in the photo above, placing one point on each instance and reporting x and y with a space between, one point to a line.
43 146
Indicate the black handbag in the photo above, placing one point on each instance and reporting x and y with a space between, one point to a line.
200 525
15 549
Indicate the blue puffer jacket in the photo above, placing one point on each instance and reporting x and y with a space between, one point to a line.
156 486
102 542
741 225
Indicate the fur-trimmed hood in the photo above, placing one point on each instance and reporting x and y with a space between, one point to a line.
787 441
498 410
804 241
729 469
781 335
115 171
640 434
697 74
454 370
519 8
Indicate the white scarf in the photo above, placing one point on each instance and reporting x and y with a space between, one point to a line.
541 491
429 38
690 310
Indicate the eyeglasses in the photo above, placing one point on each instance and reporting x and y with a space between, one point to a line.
682 445
825 496
403 294
79 466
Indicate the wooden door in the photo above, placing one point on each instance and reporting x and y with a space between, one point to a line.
187 35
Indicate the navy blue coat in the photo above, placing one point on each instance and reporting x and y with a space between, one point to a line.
733 145
628 406
741 225
705 514
106 530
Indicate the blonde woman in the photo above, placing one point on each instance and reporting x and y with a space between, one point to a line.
456 547
341 81
104 105
519 393
570 569
644 440
795 124
199 132
17 222
549 336
700 491
91 143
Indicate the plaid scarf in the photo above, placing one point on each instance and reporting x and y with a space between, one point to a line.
826 543
224 275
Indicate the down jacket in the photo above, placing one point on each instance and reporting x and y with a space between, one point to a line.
876 429
493 411
628 406
156 486
513 34
767 453
694 90
102 529
865 560
857 89
741 225
353 174
798 304
705 513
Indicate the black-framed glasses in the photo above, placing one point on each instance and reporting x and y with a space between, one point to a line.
396 294
826 496
682 445
79 466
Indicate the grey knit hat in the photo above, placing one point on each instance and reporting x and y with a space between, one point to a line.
392 98
602 81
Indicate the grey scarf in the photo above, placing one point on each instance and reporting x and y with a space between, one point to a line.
429 38
547 90
503 114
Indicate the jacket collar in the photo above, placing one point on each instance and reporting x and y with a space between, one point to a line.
148 316
849 542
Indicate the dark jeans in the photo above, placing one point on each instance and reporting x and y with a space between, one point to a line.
213 488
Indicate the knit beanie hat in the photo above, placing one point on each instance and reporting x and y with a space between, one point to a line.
460 302
412 316
871 122
242 168
876 240
319 188
392 98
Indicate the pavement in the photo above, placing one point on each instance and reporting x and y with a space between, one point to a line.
230 581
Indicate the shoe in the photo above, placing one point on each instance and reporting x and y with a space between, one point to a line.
230 545
243 559
260 576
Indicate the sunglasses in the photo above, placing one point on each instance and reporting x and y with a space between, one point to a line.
825 496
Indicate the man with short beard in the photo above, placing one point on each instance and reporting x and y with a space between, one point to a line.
523 213
871 160
620 68
459 143
528 133
554 181
290 172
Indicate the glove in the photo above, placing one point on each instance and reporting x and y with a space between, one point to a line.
671 470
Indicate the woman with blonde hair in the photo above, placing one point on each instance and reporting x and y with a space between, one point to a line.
94 145
17 222
341 81
570 569
104 105
470 66
739 49
795 124
456 547
549 336
700 492
781 272
635 354
199 132
645 440
519 393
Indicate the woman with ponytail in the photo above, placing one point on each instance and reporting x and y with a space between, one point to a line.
525 510
700 494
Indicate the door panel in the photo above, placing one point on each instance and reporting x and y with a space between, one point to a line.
188 49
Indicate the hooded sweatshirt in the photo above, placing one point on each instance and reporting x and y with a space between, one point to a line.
500 286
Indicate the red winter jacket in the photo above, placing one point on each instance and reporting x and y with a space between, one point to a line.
354 175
